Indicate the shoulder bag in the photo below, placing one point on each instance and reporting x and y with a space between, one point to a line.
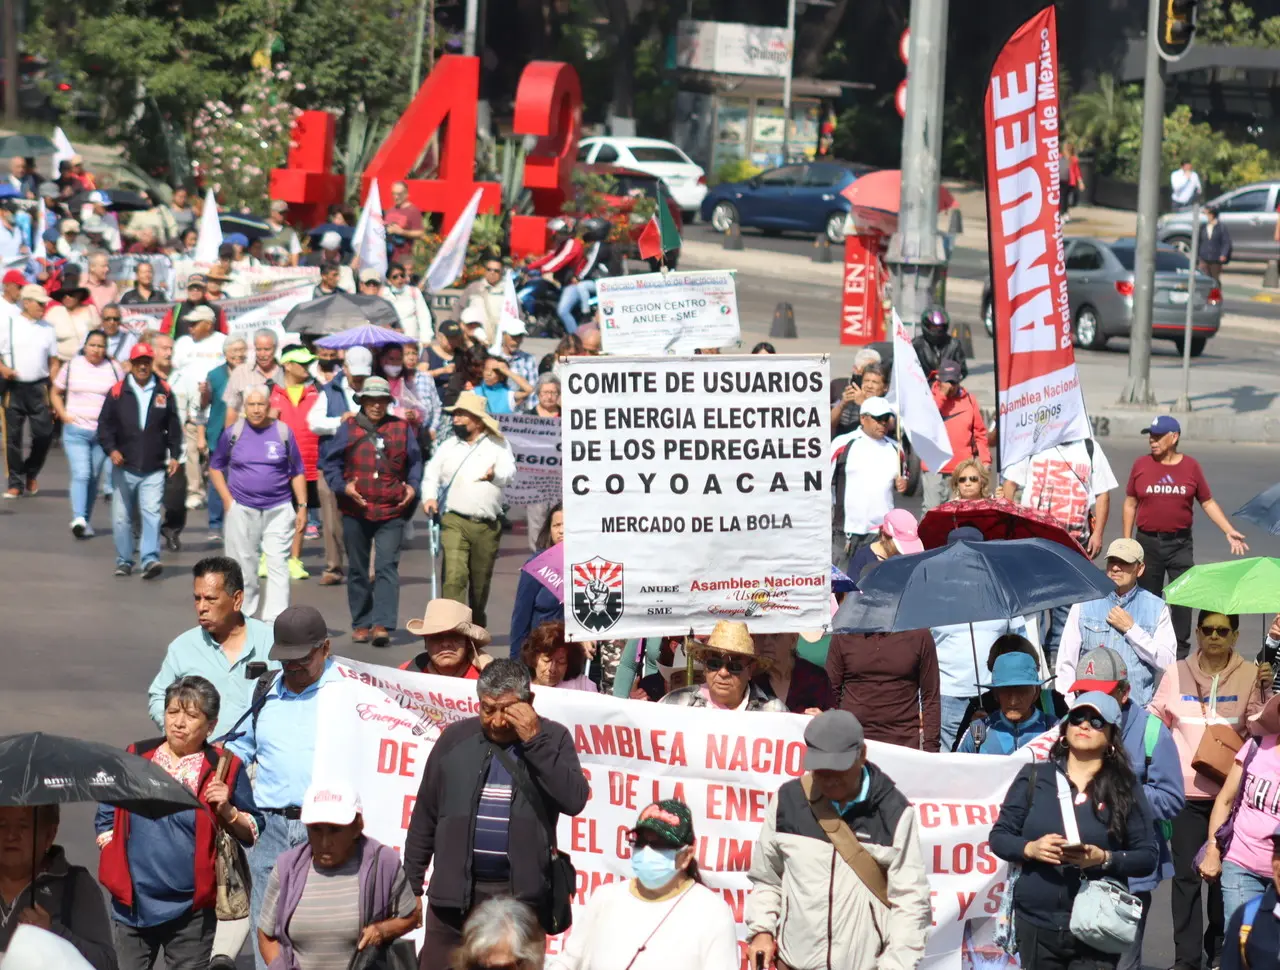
231 866
399 954
555 908
1104 915
846 843
1217 749
1227 830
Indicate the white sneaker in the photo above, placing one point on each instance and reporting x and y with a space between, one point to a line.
80 528
88 531
195 502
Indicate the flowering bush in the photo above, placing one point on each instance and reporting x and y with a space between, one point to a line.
236 148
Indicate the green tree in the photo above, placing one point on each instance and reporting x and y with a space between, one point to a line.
1100 119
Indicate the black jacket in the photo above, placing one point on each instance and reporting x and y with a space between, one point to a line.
1044 893
1262 949
444 816
1215 248
146 449
931 357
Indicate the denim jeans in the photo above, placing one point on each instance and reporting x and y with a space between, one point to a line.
1131 959
953 709
1239 885
1052 637
217 513
570 297
277 836
85 458
376 603
147 492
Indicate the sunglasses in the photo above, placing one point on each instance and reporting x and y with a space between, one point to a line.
1094 721
714 663
112 319
395 276
1222 632
969 478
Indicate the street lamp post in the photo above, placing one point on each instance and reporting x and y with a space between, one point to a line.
786 83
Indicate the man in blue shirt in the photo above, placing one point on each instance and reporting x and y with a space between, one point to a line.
281 740
221 648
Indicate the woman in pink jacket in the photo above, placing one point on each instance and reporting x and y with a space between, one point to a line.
1215 685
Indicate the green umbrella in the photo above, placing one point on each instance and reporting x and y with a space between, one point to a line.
1235 586
25 146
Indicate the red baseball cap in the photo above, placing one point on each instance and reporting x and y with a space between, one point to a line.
142 350
15 277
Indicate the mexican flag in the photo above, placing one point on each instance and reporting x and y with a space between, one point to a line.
660 235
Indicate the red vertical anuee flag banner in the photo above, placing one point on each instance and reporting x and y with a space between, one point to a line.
1037 384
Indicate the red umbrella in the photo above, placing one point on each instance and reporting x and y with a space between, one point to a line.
876 198
995 518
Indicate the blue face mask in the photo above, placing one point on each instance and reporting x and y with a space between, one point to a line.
654 867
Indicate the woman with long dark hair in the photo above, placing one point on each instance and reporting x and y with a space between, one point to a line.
1116 833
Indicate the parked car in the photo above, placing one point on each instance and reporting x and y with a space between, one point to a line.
796 198
1249 214
684 178
620 199
1100 287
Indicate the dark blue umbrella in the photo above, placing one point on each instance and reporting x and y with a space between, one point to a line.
1263 509
249 226
345 232
965 581
840 582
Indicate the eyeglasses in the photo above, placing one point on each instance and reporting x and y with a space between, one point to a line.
715 662
1095 721
1222 632
969 478
112 319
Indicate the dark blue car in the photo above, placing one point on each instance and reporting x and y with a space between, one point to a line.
793 198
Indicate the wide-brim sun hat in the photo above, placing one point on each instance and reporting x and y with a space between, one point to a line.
469 402
733 638
448 616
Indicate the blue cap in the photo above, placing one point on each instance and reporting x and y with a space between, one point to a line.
50 235
239 238
1014 670
1163 425
1104 704
966 533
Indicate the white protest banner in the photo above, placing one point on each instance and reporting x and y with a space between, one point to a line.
668 313
535 442
244 314
913 400
696 489
123 268
248 279
376 727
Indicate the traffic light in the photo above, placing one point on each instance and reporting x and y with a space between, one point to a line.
1176 29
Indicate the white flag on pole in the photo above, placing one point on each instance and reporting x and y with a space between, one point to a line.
452 255
210 237
918 413
509 320
62 149
370 242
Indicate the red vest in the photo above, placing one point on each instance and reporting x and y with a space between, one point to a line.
113 864
296 419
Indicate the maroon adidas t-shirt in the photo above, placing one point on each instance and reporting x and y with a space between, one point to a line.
1167 494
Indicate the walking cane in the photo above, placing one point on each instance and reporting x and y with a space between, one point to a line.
433 544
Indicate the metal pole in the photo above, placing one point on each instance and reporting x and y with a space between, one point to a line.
417 48
1137 389
915 250
469 28
786 83
10 28
1184 403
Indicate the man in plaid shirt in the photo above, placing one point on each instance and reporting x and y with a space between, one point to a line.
521 362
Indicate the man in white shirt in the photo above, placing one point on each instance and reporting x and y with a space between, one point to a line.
195 353
471 468
867 469
415 318
1072 482
1185 183
1132 622
28 362
12 242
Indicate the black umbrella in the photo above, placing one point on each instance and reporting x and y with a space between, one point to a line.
340 311
26 146
1264 509
115 200
250 226
46 769
344 232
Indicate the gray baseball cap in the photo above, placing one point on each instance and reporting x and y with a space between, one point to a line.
1100 669
833 740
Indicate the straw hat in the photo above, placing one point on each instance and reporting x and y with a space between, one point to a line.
731 637
448 616
472 403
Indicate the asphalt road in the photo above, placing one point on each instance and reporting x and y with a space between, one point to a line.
966 263
81 647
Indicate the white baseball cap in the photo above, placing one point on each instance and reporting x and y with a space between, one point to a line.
514 327
332 804
358 362
876 407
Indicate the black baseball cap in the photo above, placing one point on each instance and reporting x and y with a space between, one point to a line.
450 329
298 631
949 371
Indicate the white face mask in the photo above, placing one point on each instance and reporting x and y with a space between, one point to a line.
392 370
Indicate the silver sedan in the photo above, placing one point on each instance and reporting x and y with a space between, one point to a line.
1100 286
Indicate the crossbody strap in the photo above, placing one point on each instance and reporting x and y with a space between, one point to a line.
1071 828
529 791
654 932
863 864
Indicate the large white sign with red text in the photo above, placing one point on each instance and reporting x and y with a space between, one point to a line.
377 725
1038 386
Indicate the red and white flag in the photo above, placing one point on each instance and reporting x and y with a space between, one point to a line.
1037 384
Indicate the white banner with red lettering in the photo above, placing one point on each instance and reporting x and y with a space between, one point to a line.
1040 400
376 726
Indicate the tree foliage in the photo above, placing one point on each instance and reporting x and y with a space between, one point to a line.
1234 23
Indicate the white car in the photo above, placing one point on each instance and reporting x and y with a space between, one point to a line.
685 179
